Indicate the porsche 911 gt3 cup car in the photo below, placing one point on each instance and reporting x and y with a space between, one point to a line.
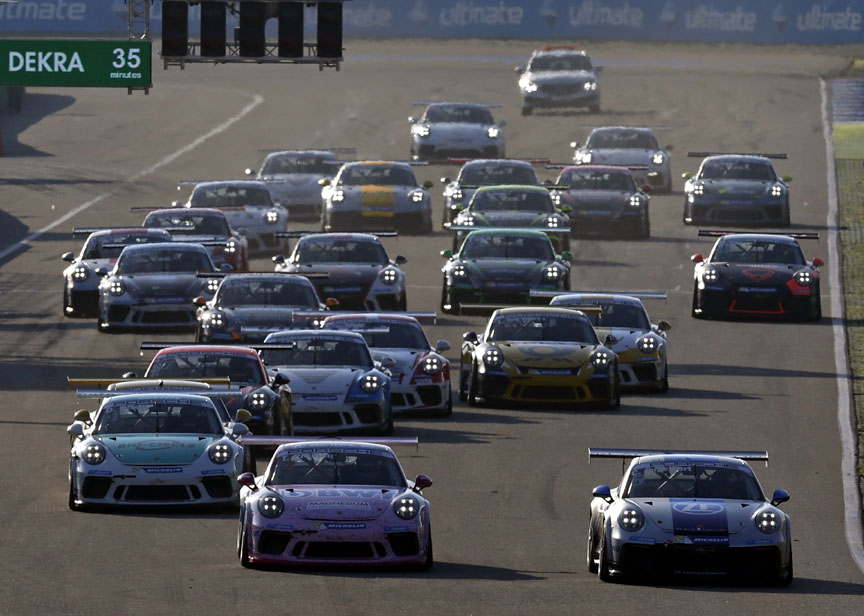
154 449
559 77
603 199
268 399
547 356
689 513
100 249
376 195
247 205
153 285
204 226
292 177
334 503
421 373
247 307
513 206
501 265
628 146
447 130
485 172
622 322
756 275
336 386
351 268
739 189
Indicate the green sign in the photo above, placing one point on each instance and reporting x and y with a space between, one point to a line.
97 63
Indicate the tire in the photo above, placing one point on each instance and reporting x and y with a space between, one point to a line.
74 503
430 557
645 228
402 304
473 386
199 337
594 109
444 298
787 576
448 406
243 545
602 562
614 401
67 304
463 384
787 219
527 110
694 306
276 412
591 556
664 384
250 464
388 428
427 225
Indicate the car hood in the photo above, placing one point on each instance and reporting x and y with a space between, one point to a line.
406 360
340 273
757 274
338 503
626 336
156 448
549 77
695 517
621 156
295 186
523 270
265 315
607 200
513 218
171 284
736 188
312 381
462 129
546 354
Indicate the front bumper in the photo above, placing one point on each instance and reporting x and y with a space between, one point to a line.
756 213
562 97
420 397
770 302
325 416
148 316
560 389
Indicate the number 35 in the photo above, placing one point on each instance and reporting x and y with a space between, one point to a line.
126 58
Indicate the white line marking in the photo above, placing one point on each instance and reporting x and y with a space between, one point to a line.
851 494
257 100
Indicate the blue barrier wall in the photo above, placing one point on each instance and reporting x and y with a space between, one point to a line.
754 21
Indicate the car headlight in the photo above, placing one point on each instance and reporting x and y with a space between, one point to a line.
370 383
231 247
271 506
258 400
468 221
767 521
456 194
80 273
635 201
117 288
777 190
553 222
601 359
432 365
212 284
556 197
493 357
631 519
648 344
337 195
493 132
421 130
583 158
388 276
271 217
94 454
417 196
219 454
529 86
657 158
553 273
459 271
804 278
217 320
406 507
710 275
698 189
590 86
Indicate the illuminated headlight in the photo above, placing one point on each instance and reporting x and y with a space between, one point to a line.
657 158
631 519
601 359
767 521
493 357
271 217
459 271
212 284
388 276
529 86
257 400
456 194
635 201
271 506
417 196
590 86
776 190
552 222
468 221
231 247
370 383
219 454
804 278
698 189
406 507
421 130
337 195
648 344
710 275
556 197
80 273
553 273
493 132
583 158
94 454
117 287
432 365
217 320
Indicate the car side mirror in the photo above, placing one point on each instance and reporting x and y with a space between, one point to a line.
278 259
686 175
610 340
248 480
249 171
780 496
447 254
787 178
331 302
176 203
646 188
428 184
102 271
470 337
400 260
67 256
226 267
574 144
200 301
519 69
817 262
603 492
280 379
566 208
83 416
130 375
669 148
242 416
411 119
697 258
76 430
421 482
324 182
442 345
445 180
239 429
567 256
388 362
664 326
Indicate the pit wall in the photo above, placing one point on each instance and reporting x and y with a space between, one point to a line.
751 21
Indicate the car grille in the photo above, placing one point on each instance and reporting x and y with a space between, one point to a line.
273 541
404 544
561 89
645 372
173 316
430 395
159 493
368 413
95 487
321 419
532 392
217 487
694 560
341 550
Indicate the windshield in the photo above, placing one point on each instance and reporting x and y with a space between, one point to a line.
758 251
287 164
265 293
240 369
560 62
625 316
319 351
157 416
499 246
511 200
622 140
381 175
542 327
692 481
737 170
456 113
579 179
190 224
328 250
493 175
109 246
229 196
384 335
349 467
160 261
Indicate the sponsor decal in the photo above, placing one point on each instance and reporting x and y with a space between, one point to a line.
758 541
703 519
101 473
395 529
757 290
339 525
162 469
280 527
318 397
155 445
639 539
213 471
758 274
342 504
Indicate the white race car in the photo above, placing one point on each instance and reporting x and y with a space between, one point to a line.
559 76
447 130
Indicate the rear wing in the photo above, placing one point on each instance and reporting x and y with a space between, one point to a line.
72 383
158 346
462 161
305 233
565 165
430 318
311 275
593 452
488 308
334 150
425 102
719 233
89 230
637 294
547 230
780 155
270 441
97 388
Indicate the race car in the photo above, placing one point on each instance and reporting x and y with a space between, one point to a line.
738 189
266 397
543 355
603 200
453 129
501 266
351 268
248 207
421 373
204 226
336 386
559 77
628 146
292 177
756 275
100 249
341 503
154 448
376 195
622 322
485 172
153 285
513 206
688 513
247 307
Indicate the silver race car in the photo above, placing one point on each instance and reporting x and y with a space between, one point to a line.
448 130
688 513
559 77
628 146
